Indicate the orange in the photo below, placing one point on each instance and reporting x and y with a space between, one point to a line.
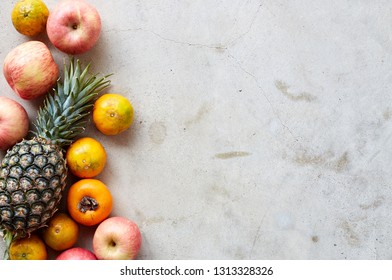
62 232
112 114
89 202
29 17
28 248
86 157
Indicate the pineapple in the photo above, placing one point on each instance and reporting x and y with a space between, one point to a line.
33 173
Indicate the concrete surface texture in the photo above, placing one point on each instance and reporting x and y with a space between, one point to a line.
262 129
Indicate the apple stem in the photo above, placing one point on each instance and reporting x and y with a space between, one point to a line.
87 203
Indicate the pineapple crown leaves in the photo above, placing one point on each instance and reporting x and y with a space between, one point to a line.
63 114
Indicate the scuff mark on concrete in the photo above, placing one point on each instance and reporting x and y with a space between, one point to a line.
302 96
233 154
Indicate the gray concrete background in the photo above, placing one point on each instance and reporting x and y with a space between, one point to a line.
262 129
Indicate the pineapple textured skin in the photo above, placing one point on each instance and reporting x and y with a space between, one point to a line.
32 178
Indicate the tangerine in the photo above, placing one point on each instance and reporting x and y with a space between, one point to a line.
29 17
86 157
112 113
28 248
62 232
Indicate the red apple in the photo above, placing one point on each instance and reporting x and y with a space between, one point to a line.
74 26
30 69
76 253
117 238
14 122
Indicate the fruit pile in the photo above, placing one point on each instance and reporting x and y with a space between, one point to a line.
33 172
